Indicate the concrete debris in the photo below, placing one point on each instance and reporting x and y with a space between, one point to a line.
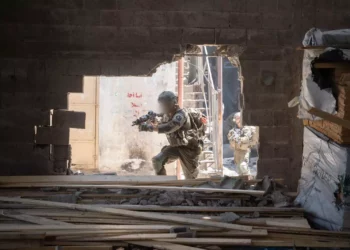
229 217
171 198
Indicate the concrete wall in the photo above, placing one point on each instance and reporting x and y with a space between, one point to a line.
122 148
47 46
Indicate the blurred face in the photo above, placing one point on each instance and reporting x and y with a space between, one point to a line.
165 108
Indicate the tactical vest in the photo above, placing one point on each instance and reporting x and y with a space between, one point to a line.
185 136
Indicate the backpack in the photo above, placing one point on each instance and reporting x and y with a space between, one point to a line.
198 121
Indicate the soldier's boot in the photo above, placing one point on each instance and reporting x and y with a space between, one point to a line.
158 164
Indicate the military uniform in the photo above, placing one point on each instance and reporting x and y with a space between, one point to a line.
241 140
184 144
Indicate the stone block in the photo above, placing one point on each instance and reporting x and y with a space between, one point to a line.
199 36
117 18
261 37
68 119
281 150
101 4
52 135
230 36
60 167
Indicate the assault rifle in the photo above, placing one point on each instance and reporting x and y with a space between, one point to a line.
150 116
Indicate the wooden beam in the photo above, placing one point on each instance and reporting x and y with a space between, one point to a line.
31 218
163 245
209 241
91 179
330 117
136 214
129 237
183 189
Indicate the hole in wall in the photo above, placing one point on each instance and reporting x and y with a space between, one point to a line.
123 150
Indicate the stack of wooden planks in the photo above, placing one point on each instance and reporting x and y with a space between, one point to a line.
29 220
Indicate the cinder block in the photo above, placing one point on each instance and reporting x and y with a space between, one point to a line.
101 4
52 135
265 101
83 17
18 117
245 20
275 134
266 151
60 167
149 5
117 18
198 5
277 21
261 117
84 67
150 18
281 118
34 100
199 36
63 83
10 134
132 35
169 35
282 150
258 53
230 5
231 36
62 152
68 119
261 37
275 167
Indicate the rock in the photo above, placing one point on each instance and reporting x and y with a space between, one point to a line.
143 202
189 202
229 217
134 201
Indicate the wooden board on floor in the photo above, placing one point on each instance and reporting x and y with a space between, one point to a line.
31 218
136 214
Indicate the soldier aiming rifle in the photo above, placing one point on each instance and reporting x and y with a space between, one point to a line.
184 130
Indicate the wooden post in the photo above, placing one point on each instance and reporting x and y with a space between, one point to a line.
180 93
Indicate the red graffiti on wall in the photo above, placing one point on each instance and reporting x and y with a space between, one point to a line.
135 95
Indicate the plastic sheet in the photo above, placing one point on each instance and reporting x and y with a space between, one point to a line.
326 165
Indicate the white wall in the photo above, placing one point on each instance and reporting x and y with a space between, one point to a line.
122 100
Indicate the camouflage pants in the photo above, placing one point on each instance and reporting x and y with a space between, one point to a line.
241 159
188 158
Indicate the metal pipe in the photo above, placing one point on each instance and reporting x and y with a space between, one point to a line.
180 96
219 142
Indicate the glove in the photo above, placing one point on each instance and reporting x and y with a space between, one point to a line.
146 127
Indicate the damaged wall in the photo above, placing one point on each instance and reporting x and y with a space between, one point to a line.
122 148
47 46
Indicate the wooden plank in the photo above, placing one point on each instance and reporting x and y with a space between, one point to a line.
209 241
15 228
330 65
254 233
183 189
330 117
31 218
90 179
163 245
129 237
144 215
